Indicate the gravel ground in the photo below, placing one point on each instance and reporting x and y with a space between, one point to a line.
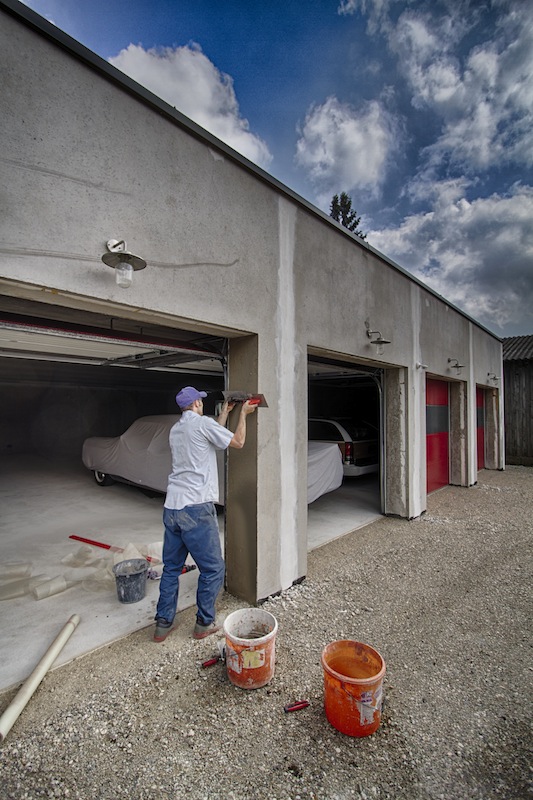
446 601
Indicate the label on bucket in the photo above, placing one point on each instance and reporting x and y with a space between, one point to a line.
252 659
369 703
246 659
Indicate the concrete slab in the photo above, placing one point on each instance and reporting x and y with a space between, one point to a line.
44 503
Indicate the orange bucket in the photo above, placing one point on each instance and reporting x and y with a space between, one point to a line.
250 647
353 686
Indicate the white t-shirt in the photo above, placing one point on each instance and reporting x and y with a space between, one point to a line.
194 440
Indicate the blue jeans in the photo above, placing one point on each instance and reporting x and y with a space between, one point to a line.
194 530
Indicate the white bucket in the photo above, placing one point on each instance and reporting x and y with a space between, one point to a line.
250 647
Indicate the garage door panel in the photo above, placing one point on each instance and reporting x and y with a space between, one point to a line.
437 445
437 434
480 427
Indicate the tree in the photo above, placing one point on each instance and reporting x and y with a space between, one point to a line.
341 210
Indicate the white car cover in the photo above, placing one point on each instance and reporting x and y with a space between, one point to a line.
142 456
324 469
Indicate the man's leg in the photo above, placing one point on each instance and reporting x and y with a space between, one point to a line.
203 543
174 555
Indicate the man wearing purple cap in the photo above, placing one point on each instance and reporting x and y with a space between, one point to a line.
189 515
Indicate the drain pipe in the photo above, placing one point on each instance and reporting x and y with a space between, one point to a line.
23 696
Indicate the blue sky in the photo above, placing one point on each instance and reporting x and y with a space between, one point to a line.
422 110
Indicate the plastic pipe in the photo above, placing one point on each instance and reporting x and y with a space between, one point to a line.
21 699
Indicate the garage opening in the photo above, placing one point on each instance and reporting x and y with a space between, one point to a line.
344 423
67 375
480 427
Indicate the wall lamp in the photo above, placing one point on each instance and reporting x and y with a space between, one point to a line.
453 362
122 261
380 340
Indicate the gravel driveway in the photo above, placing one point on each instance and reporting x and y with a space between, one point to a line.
446 600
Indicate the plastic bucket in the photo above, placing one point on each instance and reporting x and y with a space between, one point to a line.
353 686
130 577
250 647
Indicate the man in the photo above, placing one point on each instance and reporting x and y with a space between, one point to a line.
189 514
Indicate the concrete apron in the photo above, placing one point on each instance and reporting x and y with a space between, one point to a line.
44 503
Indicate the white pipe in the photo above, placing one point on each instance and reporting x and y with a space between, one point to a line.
21 699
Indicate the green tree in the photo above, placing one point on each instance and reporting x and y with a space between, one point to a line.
341 210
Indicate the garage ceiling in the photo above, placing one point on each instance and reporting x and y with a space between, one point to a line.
23 341
49 333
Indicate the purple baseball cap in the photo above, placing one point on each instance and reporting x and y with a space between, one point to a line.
188 395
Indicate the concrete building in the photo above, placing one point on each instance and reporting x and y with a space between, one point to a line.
245 281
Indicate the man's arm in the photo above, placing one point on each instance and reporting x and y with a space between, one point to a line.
239 437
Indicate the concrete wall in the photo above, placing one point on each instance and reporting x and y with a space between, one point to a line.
86 159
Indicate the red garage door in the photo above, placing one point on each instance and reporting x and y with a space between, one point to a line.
437 434
480 427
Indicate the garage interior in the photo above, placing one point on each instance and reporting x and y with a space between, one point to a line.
67 375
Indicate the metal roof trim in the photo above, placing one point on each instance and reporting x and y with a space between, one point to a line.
518 348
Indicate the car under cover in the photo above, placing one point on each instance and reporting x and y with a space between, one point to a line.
141 456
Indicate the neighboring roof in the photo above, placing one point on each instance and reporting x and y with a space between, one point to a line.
52 32
518 348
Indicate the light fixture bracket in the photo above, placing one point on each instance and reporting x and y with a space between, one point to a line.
454 362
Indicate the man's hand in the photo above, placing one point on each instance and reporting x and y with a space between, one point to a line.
226 408
248 407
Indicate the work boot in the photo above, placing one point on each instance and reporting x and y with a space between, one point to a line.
162 630
201 631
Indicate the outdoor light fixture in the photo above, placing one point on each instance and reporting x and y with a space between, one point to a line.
453 362
123 262
380 340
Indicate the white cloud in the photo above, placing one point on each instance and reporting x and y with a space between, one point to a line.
377 10
341 146
186 79
484 97
477 254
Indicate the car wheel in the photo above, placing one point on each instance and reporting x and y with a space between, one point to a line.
102 478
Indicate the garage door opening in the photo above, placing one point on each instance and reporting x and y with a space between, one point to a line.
67 375
345 415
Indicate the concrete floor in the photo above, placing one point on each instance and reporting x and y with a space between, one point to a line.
44 503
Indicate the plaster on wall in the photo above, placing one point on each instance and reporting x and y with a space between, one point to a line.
286 368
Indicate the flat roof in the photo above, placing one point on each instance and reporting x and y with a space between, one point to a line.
96 62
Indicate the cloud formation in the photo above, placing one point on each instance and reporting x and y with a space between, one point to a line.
343 146
483 95
185 78
476 254
467 67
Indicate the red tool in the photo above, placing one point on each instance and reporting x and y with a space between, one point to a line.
296 706
114 549
211 661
